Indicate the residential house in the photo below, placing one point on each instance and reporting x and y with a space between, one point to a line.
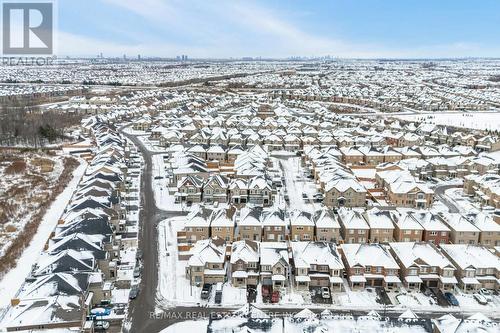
274 264
477 267
462 231
274 225
317 264
207 262
327 225
370 265
381 224
245 258
353 227
301 226
423 263
249 224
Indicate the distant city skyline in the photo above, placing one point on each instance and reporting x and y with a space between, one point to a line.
279 29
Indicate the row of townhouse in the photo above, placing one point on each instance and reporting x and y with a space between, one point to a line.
338 184
402 189
374 225
217 188
411 264
323 264
486 188
286 132
80 264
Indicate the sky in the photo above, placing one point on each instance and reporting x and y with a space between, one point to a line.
279 28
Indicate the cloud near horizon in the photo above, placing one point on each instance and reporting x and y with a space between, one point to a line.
223 29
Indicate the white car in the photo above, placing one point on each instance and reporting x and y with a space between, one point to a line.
487 294
480 299
102 324
325 292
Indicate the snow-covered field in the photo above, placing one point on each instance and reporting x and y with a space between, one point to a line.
12 281
473 120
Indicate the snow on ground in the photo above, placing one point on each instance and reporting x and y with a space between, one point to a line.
163 199
150 145
187 326
291 325
473 120
119 296
173 286
296 184
462 201
359 298
13 280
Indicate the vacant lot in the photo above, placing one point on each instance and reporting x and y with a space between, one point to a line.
29 182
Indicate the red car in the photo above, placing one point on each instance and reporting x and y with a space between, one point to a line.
275 298
266 293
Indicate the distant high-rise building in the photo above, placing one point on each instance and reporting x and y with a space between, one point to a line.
139 57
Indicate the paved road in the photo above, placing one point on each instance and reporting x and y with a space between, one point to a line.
150 215
439 192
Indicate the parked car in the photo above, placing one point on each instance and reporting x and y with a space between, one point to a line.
304 195
275 298
325 292
205 291
318 197
251 294
218 293
134 292
266 293
137 271
480 299
451 298
138 254
487 294
287 198
101 325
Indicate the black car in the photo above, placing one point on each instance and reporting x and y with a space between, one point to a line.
451 299
205 291
251 294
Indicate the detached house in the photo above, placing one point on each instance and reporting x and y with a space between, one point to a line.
259 191
274 264
327 226
462 231
245 263
381 223
207 262
407 229
274 225
250 225
189 189
301 226
434 229
222 224
353 226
